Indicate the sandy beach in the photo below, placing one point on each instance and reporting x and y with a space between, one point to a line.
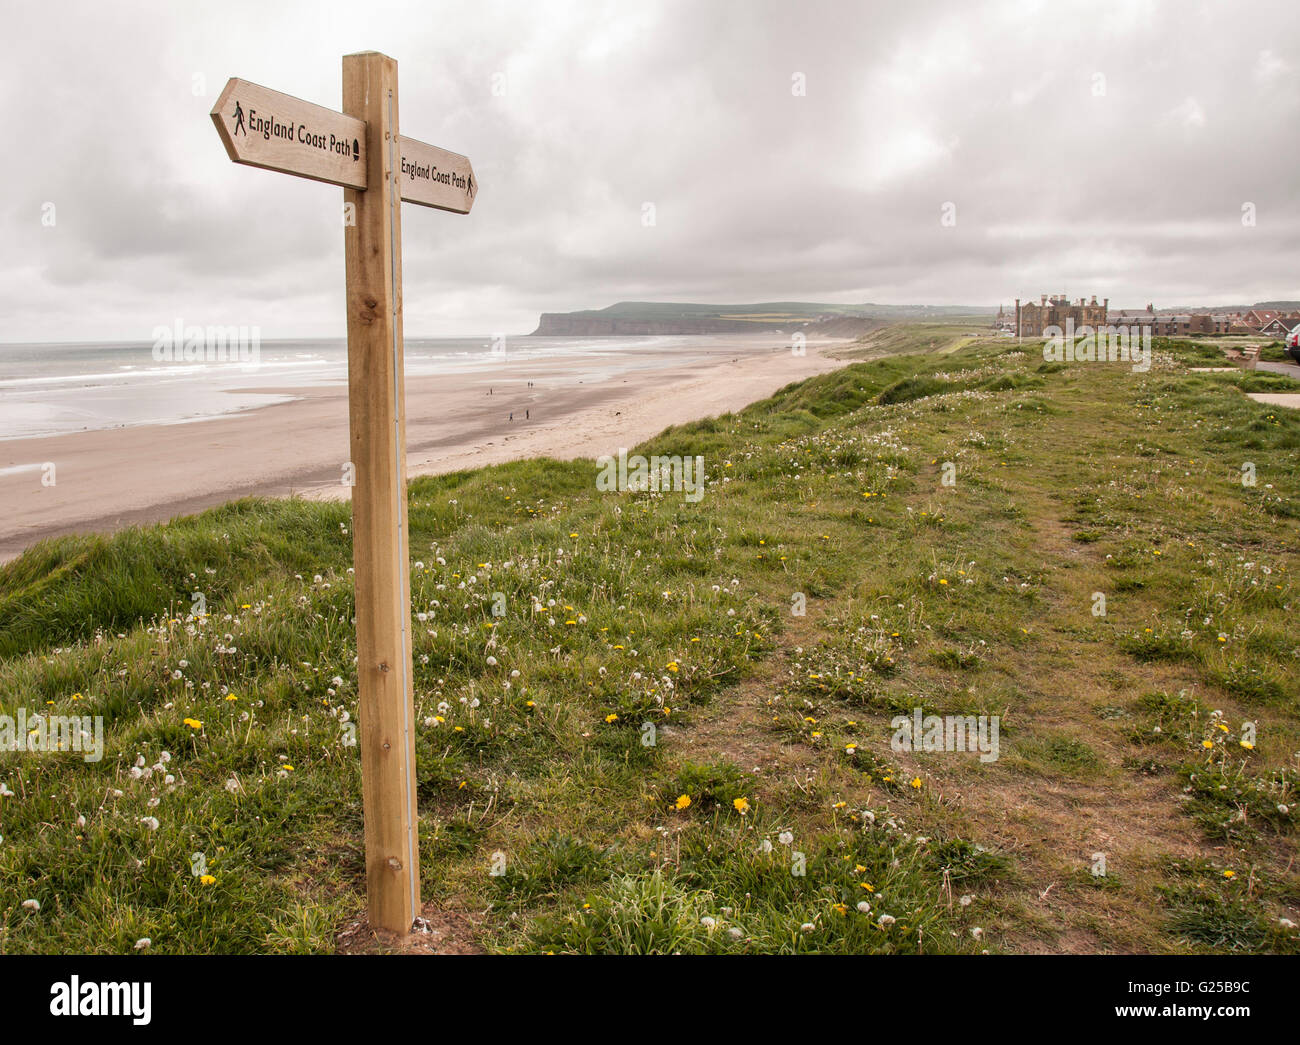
109 479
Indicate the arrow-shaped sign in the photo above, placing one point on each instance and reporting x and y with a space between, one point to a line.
434 177
264 128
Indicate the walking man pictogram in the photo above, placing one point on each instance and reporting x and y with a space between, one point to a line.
239 120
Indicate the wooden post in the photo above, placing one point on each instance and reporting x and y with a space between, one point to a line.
361 150
381 559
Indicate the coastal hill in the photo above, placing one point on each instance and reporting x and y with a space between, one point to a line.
668 317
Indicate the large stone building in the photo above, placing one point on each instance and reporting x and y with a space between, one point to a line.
1033 319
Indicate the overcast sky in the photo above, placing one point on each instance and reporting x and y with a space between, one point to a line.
1089 147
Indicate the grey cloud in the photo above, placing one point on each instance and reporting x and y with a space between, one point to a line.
1135 191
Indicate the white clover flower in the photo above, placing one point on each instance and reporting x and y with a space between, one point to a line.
5 792
492 662
32 905
965 901
150 822
232 785
708 922
977 933
785 837
143 944
886 920
735 933
807 927
864 907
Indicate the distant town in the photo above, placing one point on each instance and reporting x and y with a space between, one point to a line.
1031 319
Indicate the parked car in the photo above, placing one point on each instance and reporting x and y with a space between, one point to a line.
1293 343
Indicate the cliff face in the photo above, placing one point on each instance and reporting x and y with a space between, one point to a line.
580 324
593 324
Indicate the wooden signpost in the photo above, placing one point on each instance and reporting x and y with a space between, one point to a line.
362 150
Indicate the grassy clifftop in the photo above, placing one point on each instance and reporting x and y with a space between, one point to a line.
653 748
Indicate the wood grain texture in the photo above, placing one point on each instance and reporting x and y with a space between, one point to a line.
376 403
264 128
433 177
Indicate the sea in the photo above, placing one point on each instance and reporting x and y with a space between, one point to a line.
56 388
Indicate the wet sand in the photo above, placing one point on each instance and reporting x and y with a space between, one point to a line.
106 480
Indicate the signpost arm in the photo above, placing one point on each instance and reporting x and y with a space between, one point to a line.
373 247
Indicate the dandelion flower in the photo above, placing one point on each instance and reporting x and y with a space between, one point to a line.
741 805
683 801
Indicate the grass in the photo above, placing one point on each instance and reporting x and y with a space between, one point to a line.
651 725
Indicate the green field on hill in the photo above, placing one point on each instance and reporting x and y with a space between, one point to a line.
677 737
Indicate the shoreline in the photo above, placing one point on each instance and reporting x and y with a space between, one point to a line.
110 479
